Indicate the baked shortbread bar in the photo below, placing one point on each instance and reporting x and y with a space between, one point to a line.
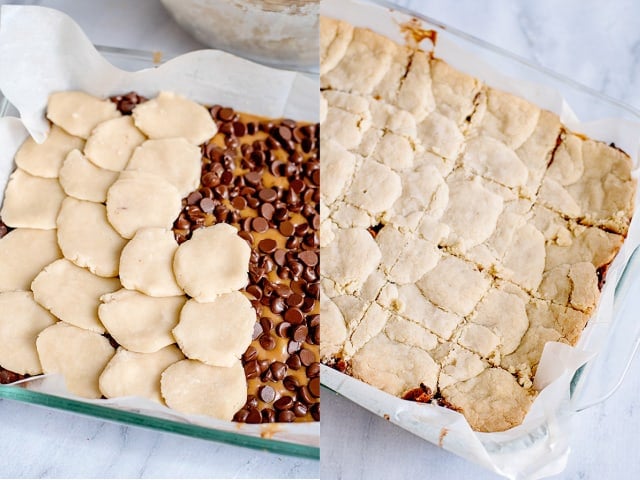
462 228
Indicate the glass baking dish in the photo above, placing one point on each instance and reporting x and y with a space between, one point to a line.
617 340
251 436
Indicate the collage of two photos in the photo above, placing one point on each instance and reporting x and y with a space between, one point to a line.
218 214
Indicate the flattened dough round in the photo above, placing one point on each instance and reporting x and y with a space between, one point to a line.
146 263
24 252
215 260
72 293
112 143
140 199
190 386
21 320
79 355
81 179
45 159
131 374
174 159
87 239
78 112
170 115
31 202
138 322
216 333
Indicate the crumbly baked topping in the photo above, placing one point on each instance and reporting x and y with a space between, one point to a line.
462 227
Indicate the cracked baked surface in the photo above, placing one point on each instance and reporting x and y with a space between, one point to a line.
462 228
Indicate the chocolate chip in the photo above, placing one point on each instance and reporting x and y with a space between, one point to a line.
314 387
313 370
207 205
252 369
299 333
309 258
260 225
267 394
299 409
295 317
282 329
290 383
304 395
268 245
279 370
267 342
266 323
293 362
252 401
279 257
267 210
283 403
286 228
254 416
226 114
257 331
241 415
315 411
307 357
286 416
253 178
277 305
268 415
295 300
268 195
239 129
239 203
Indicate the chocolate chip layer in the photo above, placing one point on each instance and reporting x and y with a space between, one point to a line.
263 176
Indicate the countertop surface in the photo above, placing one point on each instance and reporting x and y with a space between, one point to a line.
596 43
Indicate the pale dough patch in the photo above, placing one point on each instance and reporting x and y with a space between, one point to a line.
170 115
350 271
216 333
24 252
72 293
190 386
375 187
138 322
146 263
81 179
111 143
215 260
140 199
335 329
21 320
131 374
78 112
174 159
31 202
45 159
79 355
87 239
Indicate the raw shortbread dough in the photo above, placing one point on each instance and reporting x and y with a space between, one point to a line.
87 239
170 115
79 355
215 260
190 386
72 293
141 199
31 202
131 374
21 320
146 263
79 113
138 322
463 226
216 333
174 159
45 159
112 143
24 252
81 179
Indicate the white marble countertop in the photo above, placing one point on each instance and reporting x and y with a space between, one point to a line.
596 43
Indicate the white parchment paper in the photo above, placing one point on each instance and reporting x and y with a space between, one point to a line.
43 51
540 446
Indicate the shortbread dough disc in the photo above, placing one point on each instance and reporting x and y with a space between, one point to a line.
31 202
79 355
24 252
21 320
140 199
215 260
174 159
87 239
78 112
216 333
131 374
138 322
81 179
146 263
170 115
45 159
72 293
112 143
190 386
